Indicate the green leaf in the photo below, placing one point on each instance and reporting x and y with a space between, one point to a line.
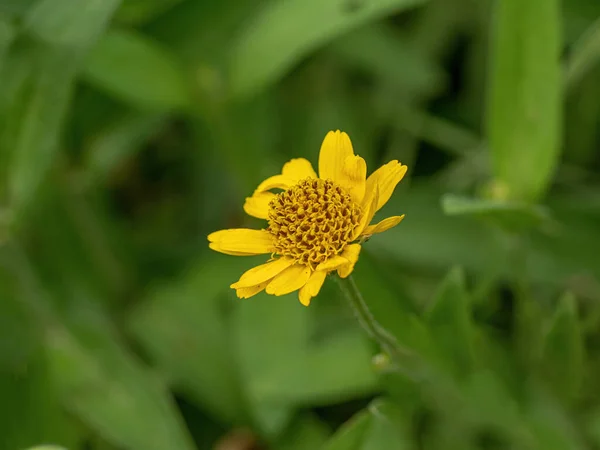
380 427
20 337
511 215
563 354
119 141
378 49
58 23
525 105
285 32
351 435
487 401
137 70
15 7
35 115
7 35
450 323
593 425
47 447
552 427
305 433
51 64
184 330
585 55
297 369
139 12
100 382
30 412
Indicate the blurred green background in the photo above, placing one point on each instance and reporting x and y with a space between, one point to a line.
130 129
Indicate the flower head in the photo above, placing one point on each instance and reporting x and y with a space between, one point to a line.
315 224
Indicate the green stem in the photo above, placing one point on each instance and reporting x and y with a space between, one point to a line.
386 340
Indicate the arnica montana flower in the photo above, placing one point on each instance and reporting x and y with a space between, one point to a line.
316 224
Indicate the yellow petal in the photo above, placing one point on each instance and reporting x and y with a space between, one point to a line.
241 241
386 178
298 169
351 253
258 204
336 147
354 177
276 182
248 292
312 287
291 279
368 208
218 248
262 273
382 226
348 256
332 263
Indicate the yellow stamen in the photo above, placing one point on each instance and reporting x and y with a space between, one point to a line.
312 221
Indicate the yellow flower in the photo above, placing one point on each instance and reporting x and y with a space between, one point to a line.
315 225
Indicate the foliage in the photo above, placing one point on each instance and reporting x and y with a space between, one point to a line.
130 129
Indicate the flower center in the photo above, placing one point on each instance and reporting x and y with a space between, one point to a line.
312 221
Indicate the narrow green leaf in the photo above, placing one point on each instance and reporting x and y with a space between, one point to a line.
139 12
137 70
119 141
30 412
525 105
563 354
388 428
337 368
7 35
285 32
15 7
513 216
351 435
593 426
30 136
553 427
488 402
110 392
47 447
585 55
379 50
63 34
379 427
450 323
58 23
183 329
305 433
296 369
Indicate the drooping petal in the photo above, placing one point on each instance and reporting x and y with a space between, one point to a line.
368 208
242 241
312 287
382 226
262 273
291 279
258 204
351 253
332 264
248 292
276 182
298 169
336 147
353 178
386 178
349 256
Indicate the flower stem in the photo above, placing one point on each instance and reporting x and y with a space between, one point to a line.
386 340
